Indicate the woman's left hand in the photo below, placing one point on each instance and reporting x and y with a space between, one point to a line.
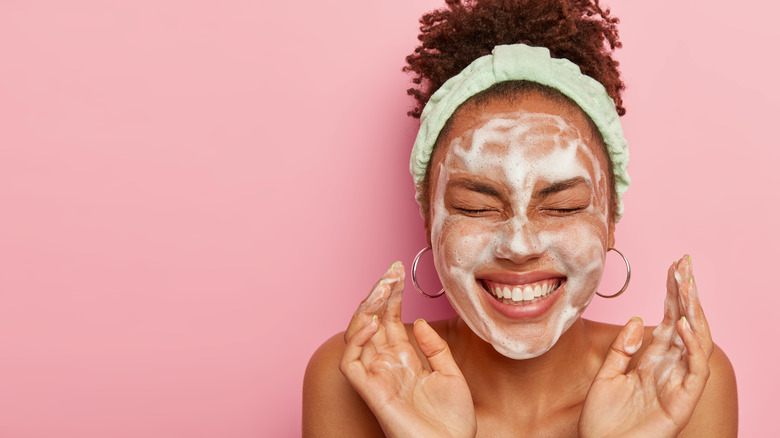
658 396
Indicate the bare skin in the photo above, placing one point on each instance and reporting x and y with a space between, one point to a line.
542 396
384 378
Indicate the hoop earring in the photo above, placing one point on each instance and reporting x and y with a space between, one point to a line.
414 275
628 276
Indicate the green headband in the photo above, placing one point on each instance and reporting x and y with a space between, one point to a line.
519 62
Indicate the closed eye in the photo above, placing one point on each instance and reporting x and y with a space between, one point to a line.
565 210
470 211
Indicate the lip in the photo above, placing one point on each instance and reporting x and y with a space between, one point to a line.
522 311
519 278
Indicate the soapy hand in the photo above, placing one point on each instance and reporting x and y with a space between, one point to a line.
658 396
407 396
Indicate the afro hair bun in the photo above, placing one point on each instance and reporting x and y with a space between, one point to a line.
464 30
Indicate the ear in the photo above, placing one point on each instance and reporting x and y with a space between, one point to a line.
428 230
610 234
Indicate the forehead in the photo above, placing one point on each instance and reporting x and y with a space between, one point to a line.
533 135
528 129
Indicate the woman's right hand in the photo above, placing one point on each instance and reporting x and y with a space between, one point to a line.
407 396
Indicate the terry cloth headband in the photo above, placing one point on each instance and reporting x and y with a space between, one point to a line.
519 62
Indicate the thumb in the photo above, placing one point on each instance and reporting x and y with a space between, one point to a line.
625 345
435 349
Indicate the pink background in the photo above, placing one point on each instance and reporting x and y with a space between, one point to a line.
194 195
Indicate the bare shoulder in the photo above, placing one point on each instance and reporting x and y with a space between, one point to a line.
716 415
603 334
331 408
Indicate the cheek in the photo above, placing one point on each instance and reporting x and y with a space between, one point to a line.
462 244
579 250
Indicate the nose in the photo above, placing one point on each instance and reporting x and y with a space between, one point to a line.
518 241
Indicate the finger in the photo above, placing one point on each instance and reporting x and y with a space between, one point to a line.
663 334
683 277
435 349
698 360
387 324
671 303
391 318
686 267
374 304
692 309
625 345
351 365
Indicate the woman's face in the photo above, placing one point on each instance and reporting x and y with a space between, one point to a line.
519 218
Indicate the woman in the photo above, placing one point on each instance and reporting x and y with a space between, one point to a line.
520 166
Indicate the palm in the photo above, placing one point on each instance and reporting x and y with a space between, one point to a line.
397 378
407 397
650 400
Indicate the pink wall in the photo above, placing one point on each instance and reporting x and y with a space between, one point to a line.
194 195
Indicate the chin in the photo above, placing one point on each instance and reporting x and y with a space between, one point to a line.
521 339
524 350
520 354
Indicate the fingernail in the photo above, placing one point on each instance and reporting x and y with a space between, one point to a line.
685 322
639 318
374 317
393 266
418 320
690 280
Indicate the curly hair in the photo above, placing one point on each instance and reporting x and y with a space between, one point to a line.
454 36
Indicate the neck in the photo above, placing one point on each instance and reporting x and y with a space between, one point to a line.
559 378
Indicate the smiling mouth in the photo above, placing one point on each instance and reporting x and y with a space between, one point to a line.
521 294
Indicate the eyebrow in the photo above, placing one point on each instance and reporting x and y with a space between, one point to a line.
561 186
476 186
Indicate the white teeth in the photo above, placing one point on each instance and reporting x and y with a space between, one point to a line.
528 293
524 293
